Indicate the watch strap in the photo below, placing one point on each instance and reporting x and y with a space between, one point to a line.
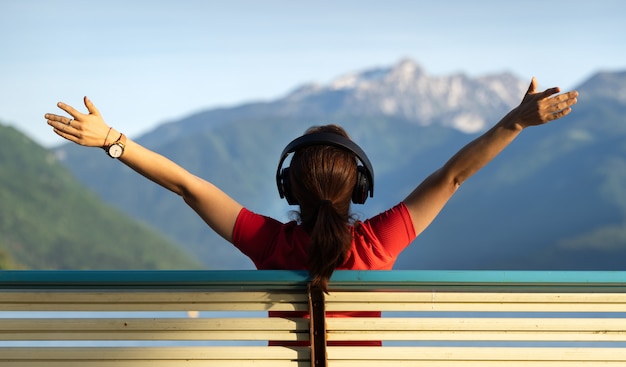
121 140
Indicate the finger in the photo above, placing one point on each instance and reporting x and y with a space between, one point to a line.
562 101
62 133
91 107
558 114
533 86
60 123
557 107
62 120
571 95
550 91
69 109
62 128
52 118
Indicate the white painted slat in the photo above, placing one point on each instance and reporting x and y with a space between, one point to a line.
460 363
153 324
476 302
482 323
478 329
155 329
473 297
156 353
151 301
214 356
182 363
176 363
483 354
342 301
475 336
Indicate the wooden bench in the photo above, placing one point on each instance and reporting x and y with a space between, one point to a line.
219 318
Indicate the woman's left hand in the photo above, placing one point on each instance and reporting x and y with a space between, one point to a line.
84 129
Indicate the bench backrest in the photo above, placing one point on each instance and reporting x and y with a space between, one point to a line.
433 318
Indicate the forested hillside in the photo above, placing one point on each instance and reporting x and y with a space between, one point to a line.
49 220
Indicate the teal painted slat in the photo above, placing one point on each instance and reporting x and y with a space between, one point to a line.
489 280
286 279
492 277
152 279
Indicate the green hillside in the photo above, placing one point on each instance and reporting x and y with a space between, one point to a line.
48 220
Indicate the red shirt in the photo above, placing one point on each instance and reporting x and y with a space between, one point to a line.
272 245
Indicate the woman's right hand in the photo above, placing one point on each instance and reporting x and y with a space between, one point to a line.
84 129
539 108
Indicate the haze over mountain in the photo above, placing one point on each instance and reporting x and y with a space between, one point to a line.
556 198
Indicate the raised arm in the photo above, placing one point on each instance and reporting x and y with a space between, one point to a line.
215 207
537 108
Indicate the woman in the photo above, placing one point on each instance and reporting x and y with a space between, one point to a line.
323 178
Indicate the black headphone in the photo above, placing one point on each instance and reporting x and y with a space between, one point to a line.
365 173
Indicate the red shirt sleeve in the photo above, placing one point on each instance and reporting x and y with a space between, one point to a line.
253 232
378 241
393 228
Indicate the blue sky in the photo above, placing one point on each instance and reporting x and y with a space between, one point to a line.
147 62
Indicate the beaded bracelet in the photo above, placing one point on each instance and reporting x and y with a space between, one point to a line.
106 138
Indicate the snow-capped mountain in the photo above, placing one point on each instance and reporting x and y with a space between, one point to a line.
406 91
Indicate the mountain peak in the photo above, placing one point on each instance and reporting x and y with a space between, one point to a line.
406 69
406 91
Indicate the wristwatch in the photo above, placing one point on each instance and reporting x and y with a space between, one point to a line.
116 149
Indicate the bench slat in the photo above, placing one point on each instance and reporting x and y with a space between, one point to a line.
337 301
465 363
335 354
154 329
478 329
151 301
476 302
483 354
168 363
151 356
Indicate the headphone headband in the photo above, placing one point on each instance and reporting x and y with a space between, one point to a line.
328 139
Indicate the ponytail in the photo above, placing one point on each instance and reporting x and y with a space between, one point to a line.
322 181
332 239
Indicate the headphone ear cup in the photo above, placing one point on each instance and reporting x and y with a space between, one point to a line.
362 186
285 187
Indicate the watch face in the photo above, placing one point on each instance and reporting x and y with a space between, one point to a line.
115 150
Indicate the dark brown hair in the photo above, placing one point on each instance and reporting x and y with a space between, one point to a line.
322 179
